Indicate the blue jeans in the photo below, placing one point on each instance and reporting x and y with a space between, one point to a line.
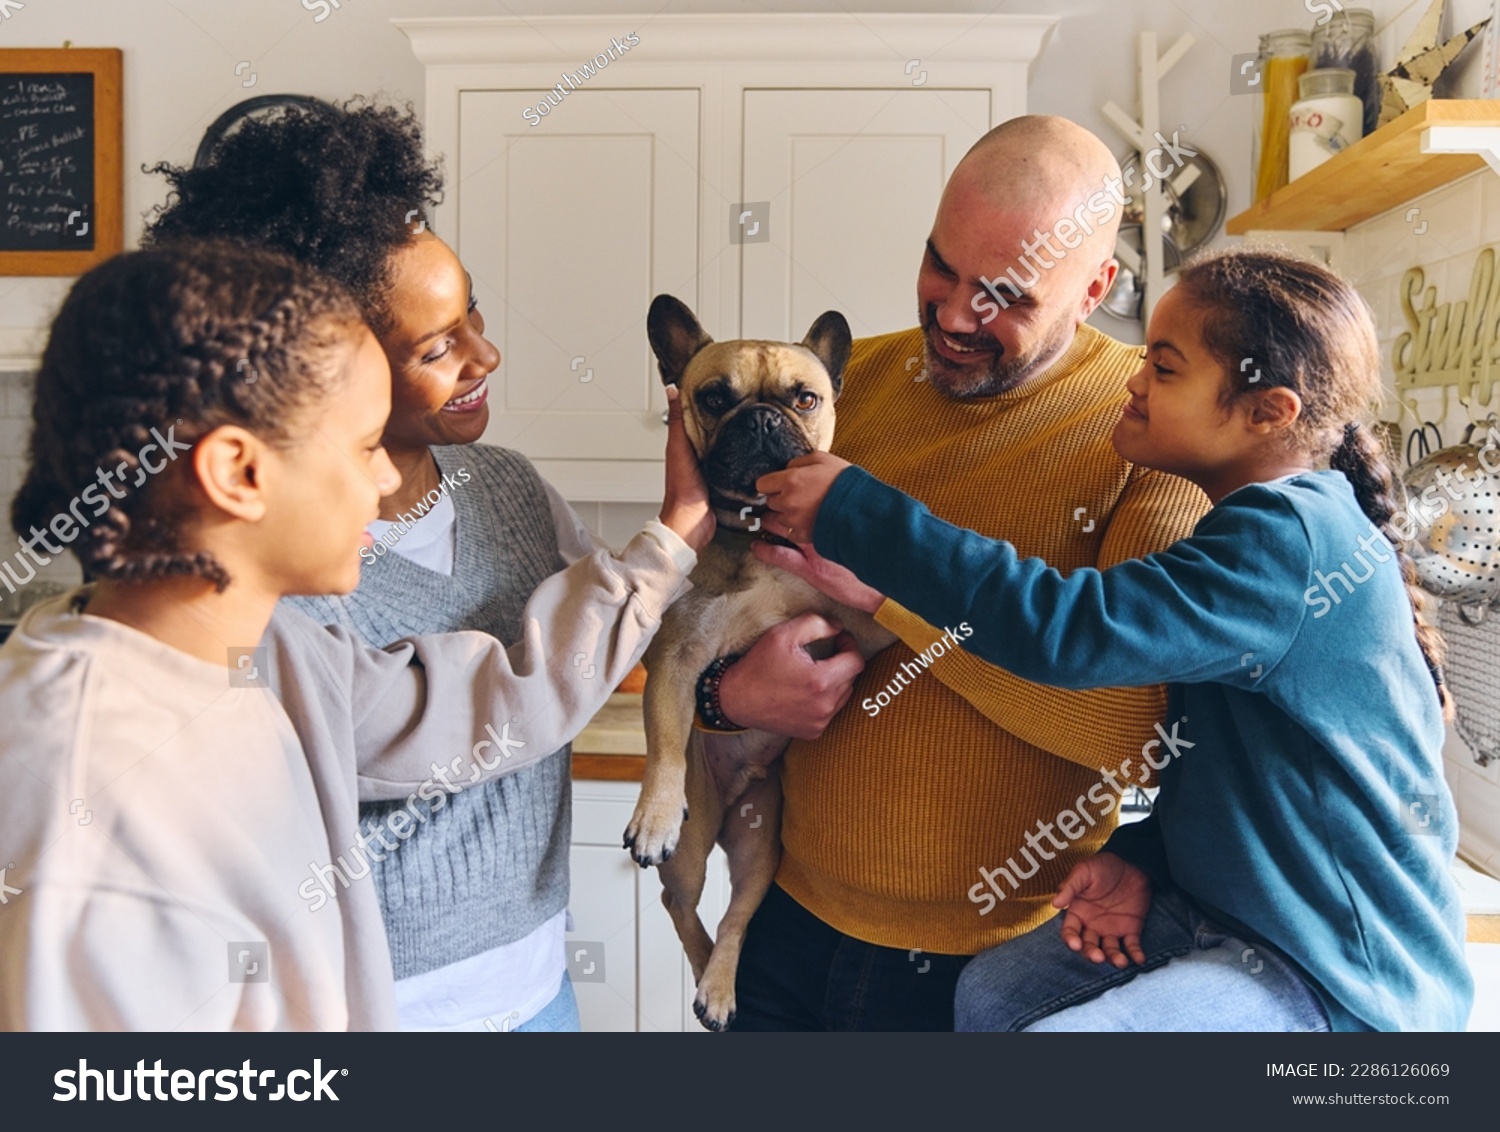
558 1016
1196 977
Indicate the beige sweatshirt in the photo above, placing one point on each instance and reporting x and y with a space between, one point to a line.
157 825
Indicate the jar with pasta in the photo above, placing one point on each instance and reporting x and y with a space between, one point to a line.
1289 56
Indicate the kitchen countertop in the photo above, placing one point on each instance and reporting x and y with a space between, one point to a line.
618 728
613 745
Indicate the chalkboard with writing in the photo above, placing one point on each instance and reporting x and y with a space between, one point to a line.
47 162
60 182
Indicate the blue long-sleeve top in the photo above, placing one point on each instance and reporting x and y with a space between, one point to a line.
1302 796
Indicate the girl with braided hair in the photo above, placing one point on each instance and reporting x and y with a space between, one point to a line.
1293 874
183 754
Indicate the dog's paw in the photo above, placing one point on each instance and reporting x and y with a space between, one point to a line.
654 829
714 1004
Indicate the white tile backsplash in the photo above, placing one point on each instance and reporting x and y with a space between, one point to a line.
620 522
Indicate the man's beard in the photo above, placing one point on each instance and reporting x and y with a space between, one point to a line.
1000 374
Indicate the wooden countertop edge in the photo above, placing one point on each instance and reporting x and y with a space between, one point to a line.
609 768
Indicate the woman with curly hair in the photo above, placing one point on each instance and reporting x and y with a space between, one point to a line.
475 894
161 812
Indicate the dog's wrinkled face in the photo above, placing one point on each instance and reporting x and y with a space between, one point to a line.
749 406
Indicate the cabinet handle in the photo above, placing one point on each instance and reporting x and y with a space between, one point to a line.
664 414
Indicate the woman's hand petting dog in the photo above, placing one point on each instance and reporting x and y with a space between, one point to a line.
1107 899
685 506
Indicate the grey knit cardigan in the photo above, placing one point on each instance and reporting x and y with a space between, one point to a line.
491 865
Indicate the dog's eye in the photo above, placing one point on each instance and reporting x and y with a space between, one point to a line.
713 401
807 400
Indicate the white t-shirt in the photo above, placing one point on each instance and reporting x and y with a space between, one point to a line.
508 985
429 541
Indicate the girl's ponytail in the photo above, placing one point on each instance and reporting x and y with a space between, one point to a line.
1365 465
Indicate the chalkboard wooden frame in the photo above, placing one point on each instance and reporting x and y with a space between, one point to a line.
107 66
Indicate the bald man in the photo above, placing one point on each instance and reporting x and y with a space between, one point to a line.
926 823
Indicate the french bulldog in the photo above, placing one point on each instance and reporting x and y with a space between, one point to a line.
748 408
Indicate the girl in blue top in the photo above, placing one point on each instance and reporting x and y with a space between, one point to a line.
1294 873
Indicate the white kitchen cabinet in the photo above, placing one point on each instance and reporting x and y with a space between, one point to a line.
845 125
830 249
568 229
620 929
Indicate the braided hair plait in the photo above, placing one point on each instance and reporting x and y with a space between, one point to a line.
1365 464
166 345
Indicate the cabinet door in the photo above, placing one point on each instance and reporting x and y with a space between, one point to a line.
601 947
641 980
853 179
604 903
569 228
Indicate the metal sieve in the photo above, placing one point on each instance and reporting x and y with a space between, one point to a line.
1453 508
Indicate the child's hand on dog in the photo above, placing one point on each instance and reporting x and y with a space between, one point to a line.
822 575
796 493
684 507
1106 899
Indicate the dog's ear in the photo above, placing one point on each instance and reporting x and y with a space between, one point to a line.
829 339
675 336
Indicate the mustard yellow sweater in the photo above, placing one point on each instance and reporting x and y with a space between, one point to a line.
888 818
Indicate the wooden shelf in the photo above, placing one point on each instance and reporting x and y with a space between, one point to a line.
1374 175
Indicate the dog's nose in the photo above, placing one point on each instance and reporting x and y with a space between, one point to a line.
761 420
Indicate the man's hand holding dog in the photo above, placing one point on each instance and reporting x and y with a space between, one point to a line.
778 687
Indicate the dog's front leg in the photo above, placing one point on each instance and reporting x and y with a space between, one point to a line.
669 704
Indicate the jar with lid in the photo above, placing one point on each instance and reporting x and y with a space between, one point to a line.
1347 41
1286 60
1329 117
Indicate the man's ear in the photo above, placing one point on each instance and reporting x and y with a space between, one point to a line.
229 464
829 339
675 336
1274 409
1099 286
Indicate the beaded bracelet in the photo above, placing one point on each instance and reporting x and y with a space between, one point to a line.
709 711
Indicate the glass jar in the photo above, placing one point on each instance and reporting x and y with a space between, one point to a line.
1347 41
1329 117
1288 53
1258 107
